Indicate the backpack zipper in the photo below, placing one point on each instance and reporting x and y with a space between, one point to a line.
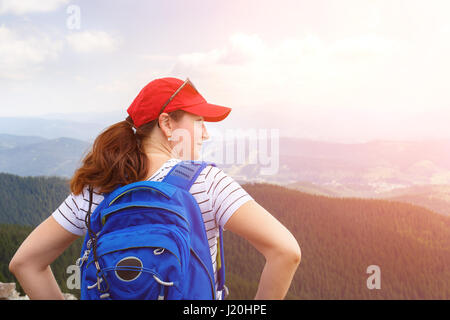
154 189
209 276
155 207
178 259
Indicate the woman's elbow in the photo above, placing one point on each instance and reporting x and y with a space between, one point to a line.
19 262
295 254
290 253
291 250
14 265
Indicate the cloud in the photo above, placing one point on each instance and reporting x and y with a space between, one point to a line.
363 46
114 86
20 7
92 41
242 48
307 69
21 56
311 84
24 53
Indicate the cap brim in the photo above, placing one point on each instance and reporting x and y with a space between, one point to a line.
209 112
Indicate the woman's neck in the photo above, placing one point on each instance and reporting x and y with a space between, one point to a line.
155 162
158 151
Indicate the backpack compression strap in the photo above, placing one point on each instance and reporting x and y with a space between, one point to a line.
184 173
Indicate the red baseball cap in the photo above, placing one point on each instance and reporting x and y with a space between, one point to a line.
172 94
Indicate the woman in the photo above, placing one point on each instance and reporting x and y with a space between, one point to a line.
165 125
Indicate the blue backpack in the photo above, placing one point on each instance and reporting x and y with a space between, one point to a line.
147 240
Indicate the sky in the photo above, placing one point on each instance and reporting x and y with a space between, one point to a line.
343 71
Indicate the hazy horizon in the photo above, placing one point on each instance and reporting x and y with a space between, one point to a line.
213 129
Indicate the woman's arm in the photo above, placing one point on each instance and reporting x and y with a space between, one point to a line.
274 241
31 262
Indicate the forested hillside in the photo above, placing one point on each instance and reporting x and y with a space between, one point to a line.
29 200
339 239
11 236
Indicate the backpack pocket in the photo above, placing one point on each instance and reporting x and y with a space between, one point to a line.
145 262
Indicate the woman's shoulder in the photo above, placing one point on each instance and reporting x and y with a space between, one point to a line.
212 172
217 180
225 193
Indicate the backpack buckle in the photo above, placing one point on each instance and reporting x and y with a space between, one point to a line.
225 292
101 278
81 260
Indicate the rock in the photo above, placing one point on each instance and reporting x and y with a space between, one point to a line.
8 292
7 289
17 296
69 296
14 295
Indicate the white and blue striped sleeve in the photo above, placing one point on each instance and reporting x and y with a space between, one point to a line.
226 194
70 215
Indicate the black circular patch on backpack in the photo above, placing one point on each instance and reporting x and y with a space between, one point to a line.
128 275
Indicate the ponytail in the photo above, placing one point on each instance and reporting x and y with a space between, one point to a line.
117 157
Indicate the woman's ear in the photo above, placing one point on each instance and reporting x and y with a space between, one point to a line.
165 124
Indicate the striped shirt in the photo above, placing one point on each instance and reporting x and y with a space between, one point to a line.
217 194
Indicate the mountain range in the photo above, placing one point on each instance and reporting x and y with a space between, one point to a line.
413 171
37 156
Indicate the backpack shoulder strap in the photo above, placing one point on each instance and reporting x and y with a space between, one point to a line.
184 173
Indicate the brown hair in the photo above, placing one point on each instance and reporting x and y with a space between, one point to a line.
117 157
